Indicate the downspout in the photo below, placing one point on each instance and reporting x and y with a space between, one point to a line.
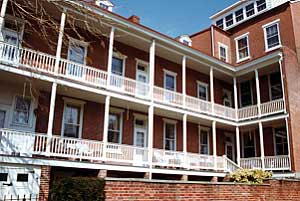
212 40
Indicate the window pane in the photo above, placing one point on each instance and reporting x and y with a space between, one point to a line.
243 48
170 137
220 24
21 110
249 145
223 54
114 136
117 66
77 53
170 82
114 128
246 97
272 36
71 131
281 141
261 5
250 10
22 178
3 177
276 87
71 121
239 15
204 142
229 20
202 91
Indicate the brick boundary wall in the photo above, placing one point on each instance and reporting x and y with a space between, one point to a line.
171 191
45 183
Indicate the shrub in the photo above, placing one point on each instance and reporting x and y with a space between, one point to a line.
77 189
250 176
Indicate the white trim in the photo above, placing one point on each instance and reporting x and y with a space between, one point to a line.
174 123
226 50
75 103
233 143
200 128
173 74
145 129
270 87
275 22
238 59
143 64
240 94
81 43
242 145
203 84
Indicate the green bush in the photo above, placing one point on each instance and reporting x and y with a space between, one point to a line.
250 176
77 189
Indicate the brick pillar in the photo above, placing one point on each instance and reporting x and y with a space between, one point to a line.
45 183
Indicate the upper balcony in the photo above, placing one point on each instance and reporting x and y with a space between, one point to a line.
44 64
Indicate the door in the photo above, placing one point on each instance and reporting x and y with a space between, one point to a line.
227 100
77 53
22 182
229 146
170 86
140 141
10 52
142 81
2 118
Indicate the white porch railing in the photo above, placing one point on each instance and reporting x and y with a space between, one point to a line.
198 105
272 107
248 112
230 166
167 97
225 112
168 158
270 163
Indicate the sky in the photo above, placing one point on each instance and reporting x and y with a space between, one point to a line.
172 17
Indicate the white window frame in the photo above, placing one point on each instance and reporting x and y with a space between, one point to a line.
275 22
121 57
121 113
200 128
173 122
270 86
229 96
274 138
235 16
80 43
221 45
238 59
31 115
240 93
143 63
202 84
18 20
242 147
77 103
171 73
145 119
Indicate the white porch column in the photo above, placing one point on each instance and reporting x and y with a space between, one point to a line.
261 140
152 69
212 96
238 147
288 140
184 132
258 92
184 79
110 53
54 85
2 15
150 137
282 83
236 105
214 139
105 127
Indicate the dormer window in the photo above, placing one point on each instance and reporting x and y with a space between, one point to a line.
102 5
261 5
239 15
250 10
185 39
220 23
229 20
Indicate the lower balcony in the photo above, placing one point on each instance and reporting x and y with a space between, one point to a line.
270 163
25 144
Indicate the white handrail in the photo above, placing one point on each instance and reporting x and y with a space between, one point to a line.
225 112
248 112
167 97
272 107
251 163
277 162
198 105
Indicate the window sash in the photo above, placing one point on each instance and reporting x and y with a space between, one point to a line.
272 36
204 142
223 54
72 121
249 144
250 10
117 66
239 15
243 48
114 128
202 91
21 113
77 52
261 5
170 138
281 143
220 23
170 82
229 20
246 93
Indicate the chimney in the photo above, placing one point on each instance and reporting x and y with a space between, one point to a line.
134 19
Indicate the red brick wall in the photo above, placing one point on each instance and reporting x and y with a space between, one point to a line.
142 191
202 41
45 183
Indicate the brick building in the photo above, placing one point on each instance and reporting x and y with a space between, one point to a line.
136 103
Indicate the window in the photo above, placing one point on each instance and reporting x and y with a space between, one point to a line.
239 15
220 23
223 51
170 136
272 36
202 90
170 80
3 177
261 5
275 86
115 127
21 113
229 20
73 118
281 144
117 66
242 46
250 10
104 6
204 141
22 177
246 93
249 144
77 51
185 42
